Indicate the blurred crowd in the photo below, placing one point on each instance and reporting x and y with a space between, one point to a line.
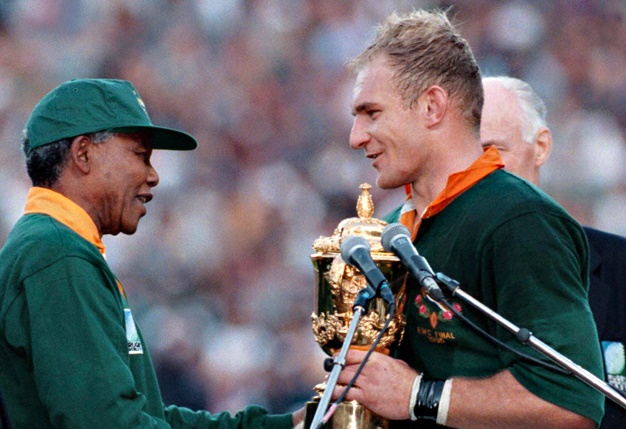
219 273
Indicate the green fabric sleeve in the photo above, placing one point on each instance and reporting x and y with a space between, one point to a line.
250 417
538 260
81 361
64 353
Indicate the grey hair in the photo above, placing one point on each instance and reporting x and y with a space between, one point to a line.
44 164
533 108
97 137
102 136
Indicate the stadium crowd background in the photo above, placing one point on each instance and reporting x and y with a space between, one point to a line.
219 272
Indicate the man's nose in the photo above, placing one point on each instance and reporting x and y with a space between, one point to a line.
359 135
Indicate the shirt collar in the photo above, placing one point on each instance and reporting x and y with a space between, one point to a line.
457 183
64 210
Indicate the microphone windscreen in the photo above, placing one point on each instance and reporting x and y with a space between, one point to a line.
351 243
390 232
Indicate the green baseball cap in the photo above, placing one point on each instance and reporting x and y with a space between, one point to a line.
83 106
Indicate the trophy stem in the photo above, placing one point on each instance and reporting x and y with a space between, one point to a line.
347 415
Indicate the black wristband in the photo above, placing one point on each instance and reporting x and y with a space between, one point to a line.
428 398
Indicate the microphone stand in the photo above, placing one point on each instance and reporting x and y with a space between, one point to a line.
524 336
359 307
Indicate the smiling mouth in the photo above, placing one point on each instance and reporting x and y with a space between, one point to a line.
144 198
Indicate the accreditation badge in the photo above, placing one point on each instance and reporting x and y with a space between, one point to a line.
614 355
132 336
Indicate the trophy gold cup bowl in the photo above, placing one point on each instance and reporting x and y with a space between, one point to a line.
337 286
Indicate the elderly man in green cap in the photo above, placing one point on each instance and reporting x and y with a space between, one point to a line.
71 355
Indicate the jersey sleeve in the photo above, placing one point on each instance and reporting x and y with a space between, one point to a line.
539 266
80 358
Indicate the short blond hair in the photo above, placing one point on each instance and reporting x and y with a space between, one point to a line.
425 49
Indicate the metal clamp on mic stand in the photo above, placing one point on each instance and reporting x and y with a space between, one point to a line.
524 336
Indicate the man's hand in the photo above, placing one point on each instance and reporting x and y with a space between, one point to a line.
383 386
298 418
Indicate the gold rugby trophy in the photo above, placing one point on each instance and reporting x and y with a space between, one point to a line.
337 286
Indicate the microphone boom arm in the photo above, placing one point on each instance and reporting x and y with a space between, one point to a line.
524 336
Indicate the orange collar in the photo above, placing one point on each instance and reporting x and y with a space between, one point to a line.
61 208
457 183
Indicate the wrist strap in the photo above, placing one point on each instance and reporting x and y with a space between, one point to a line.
428 399
414 390
444 403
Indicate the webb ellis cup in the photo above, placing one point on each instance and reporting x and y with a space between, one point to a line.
337 285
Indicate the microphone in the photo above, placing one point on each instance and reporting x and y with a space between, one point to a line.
397 239
355 251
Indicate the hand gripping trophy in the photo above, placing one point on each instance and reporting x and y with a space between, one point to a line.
337 286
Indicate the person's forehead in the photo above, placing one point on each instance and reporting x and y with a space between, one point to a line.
500 108
500 99
501 117
374 80
136 138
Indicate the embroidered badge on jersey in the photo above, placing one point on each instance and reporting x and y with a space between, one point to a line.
132 336
439 314
436 313
615 363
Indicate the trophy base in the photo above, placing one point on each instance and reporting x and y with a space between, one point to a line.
348 415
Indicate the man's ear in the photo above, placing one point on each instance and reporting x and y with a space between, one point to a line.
80 152
435 104
543 146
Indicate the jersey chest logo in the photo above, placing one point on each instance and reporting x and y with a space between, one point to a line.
615 363
132 336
